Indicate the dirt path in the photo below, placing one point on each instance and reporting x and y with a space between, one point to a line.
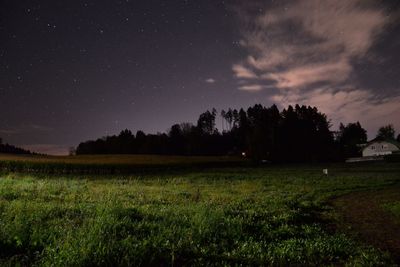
362 214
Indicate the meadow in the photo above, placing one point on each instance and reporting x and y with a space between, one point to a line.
393 208
137 160
111 164
268 215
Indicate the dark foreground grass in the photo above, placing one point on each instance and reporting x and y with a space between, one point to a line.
237 216
393 208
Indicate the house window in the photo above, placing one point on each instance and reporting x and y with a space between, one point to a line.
373 147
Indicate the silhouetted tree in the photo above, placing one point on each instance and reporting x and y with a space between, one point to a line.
386 132
140 142
229 117
125 142
206 122
258 143
223 114
297 134
71 151
176 139
235 118
10 149
350 137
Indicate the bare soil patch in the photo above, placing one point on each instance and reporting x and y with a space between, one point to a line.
362 215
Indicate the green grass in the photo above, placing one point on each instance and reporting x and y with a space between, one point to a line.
393 208
229 216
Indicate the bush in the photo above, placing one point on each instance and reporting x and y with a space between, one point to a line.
395 157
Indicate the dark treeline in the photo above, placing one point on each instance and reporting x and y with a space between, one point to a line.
295 134
10 149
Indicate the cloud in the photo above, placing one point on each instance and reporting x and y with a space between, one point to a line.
251 88
210 80
299 77
243 72
308 42
304 52
347 105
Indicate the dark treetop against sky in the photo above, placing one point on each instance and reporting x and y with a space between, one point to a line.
77 70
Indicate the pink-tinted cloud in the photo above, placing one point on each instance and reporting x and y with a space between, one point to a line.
210 80
243 72
299 77
347 106
328 36
251 87
306 51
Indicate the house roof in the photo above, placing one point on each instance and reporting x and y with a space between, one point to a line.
388 140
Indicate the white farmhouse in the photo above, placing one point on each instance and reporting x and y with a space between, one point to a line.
380 147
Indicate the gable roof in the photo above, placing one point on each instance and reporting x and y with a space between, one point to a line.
388 140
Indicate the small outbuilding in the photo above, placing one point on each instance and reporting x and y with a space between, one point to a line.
380 147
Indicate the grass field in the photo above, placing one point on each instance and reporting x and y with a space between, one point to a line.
221 216
109 164
117 159
393 208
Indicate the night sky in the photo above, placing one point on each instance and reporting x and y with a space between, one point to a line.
77 70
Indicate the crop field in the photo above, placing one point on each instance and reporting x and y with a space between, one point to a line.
269 215
116 159
109 164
